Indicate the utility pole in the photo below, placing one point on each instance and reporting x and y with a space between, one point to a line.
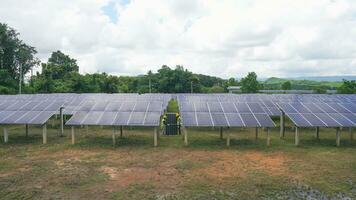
20 78
150 85
191 86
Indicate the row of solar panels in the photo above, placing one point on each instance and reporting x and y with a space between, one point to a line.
115 118
320 114
221 119
217 110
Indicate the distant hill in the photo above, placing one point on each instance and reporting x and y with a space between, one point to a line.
302 84
325 78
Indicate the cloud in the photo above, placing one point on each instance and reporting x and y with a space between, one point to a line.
224 38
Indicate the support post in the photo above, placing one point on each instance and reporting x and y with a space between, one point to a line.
317 133
256 134
221 132
73 136
26 127
337 137
282 124
185 136
268 137
351 134
6 135
121 131
155 137
296 136
227 138
86 129
44 133
114 136
62 121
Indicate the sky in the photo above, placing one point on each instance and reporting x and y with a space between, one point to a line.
225 38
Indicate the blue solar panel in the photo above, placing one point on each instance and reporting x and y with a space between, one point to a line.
229 107
298 120
330 122
219 119
314 121
189 119
264 120
249 120
204 119
242 108
234 120
345 122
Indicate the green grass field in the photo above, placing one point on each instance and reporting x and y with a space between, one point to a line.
206 169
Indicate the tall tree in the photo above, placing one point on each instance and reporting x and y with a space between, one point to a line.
286 85
249 84
347 87
16 58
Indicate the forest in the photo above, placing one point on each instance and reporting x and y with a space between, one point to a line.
60 74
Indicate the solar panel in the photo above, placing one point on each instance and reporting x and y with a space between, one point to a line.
219 119
234 120
204 119
189 119
137 118
107 118
122 118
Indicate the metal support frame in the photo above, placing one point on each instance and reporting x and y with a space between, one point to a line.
26 127
73 135
317 133
185 136
227 138
155 137
256 134
268 142
337 137
62 122
296 136
44 133
282 125
6 135
114 136
221 132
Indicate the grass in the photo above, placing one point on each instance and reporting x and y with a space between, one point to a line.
206 169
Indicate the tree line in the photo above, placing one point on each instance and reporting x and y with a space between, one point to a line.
60 74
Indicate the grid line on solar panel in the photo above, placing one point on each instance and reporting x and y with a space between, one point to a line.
253 114
128 121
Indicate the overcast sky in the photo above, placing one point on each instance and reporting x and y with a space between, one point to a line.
225 38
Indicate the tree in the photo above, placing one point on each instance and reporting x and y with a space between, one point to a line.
16 59
286 85
216 89
61 65
347 87
249 84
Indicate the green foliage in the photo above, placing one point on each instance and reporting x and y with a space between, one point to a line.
286 85
249 84
320 90
276 84
216 89
347 87
16 59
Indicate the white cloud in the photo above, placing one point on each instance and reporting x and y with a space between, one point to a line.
226 38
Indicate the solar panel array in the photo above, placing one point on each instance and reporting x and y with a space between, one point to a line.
27 112
244 110
321 114
127 113
221 111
